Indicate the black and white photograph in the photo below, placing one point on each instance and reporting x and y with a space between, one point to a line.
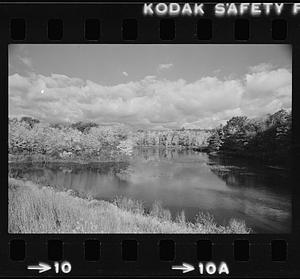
149 138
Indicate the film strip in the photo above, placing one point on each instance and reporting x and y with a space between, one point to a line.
149 254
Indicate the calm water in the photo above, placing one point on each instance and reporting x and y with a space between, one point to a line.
182 180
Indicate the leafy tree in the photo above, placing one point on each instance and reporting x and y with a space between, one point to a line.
215 141
84 127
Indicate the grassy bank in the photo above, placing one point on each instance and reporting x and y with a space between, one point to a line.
38 209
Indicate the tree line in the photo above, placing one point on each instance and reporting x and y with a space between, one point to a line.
268 139
179 138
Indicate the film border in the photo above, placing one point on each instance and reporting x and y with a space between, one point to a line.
148 263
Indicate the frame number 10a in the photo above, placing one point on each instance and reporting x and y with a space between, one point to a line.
208 268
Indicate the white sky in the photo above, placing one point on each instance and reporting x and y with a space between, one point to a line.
148 86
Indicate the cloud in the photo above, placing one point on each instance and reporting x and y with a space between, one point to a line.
267 91
26 61
164 67
260 67
125 74
150 102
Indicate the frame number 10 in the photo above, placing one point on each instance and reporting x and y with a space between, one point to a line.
64 267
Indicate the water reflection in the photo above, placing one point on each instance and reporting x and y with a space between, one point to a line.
181 180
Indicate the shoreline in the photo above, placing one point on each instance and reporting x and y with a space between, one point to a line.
35 208
47 159
252 159
41 159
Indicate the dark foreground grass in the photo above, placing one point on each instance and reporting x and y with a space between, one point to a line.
35 208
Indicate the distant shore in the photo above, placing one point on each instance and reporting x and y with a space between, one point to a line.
84 160
87 158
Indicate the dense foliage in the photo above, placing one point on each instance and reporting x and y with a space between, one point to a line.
61 141
268 139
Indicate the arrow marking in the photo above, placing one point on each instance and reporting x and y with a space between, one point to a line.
185 267
42 267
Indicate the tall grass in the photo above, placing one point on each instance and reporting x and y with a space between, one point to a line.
35 208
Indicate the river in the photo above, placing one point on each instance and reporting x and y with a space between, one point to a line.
186 180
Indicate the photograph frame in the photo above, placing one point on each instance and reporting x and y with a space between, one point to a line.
148 264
